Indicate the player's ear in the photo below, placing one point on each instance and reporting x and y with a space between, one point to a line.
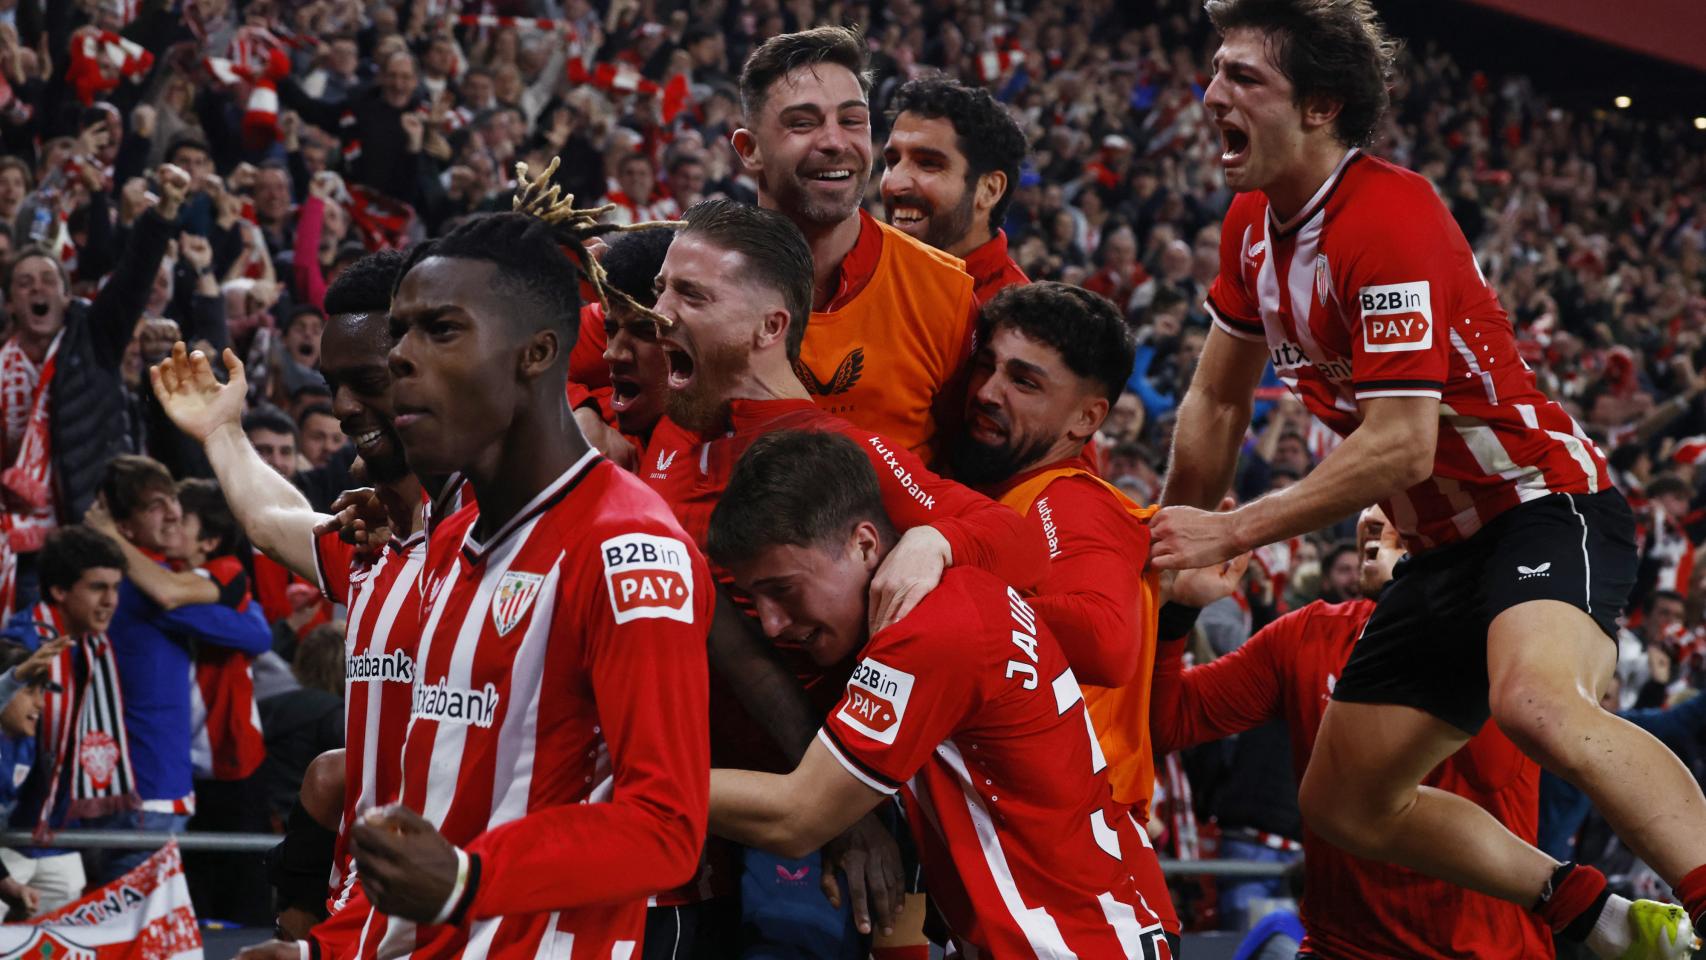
539 353
868 545
773 329
1091 412
746 147
1320 111
990 187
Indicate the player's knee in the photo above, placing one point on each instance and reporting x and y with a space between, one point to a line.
1541 718
323 789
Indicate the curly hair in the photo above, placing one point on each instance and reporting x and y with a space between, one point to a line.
1337 49
1090 333
987 135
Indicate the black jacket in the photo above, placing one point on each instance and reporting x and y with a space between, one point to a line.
87 403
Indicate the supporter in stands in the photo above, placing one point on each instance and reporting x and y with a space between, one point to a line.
151 646
273 435
26 675
319 435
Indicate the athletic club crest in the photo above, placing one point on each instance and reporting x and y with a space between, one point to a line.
515 595
1323 278
98 756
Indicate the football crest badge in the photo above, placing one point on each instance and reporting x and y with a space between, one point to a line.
513 598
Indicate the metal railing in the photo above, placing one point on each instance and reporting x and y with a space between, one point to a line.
262 842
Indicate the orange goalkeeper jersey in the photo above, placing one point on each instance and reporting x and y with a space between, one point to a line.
888 353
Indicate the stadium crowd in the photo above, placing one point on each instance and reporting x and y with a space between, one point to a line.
218 172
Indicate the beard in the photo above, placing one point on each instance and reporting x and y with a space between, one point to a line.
704 404
796 199
975 464
947 228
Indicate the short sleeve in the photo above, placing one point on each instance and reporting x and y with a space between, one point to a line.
233 582
1229 301
1398 306
333 560
905 697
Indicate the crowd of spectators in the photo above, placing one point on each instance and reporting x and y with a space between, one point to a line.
203 169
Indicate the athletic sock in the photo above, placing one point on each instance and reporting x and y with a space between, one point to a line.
1573 900
1611 936
1692 892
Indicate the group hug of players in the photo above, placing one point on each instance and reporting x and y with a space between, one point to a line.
583 579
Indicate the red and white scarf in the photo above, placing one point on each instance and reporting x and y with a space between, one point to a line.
24 390
83 725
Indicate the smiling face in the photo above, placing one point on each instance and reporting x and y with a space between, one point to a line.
22 712
927 190
156 523
1023 405
708 349
1379 547
639 373
37 297
814 596
89 603
1262 129
454 366
810 145
353 361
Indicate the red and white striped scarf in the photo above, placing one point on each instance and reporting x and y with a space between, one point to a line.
30 477
83 723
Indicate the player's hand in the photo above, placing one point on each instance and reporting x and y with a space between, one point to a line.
271 950
407 867
876 885
912 569
99 519
295 923
39 667
194 398
357 516
1202 586
609 441
22 900
1184 537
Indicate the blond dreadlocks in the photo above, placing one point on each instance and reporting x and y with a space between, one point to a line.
538 197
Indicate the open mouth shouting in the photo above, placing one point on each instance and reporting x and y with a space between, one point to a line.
624 390
681 365
1235 145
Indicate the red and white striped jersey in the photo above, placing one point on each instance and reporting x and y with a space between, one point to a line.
1371 291
379 673
968 708
558 721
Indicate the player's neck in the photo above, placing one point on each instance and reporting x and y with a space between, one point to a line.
771 377
539 447
973 239
404 504
1288 195
830 245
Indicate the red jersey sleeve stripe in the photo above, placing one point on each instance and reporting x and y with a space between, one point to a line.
860 771
1242 329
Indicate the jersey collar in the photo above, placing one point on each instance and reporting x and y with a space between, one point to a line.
474 551
1316 202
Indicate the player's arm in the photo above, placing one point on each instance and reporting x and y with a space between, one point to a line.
273 513
942 524
790 815
1213 418
1091 597
1237 692
767 689
170 589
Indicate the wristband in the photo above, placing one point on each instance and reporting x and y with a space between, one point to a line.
461 886
1176 620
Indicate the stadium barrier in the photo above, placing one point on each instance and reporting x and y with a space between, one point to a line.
262 842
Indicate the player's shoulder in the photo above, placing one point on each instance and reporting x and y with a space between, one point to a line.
1247 208
1377 194
966 608
919 263
612 502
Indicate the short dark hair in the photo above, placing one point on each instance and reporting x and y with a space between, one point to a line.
319 660
1092 337
297 312
632 261
313 410
798 487
24 253
530 268
185 141
206 502
128 477
775 251
784 53
270 418
365 285
72 551
988 136
21 165
1336 49
1657 595
1334 551
1669 484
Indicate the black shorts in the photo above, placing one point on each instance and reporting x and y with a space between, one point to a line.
1426 645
